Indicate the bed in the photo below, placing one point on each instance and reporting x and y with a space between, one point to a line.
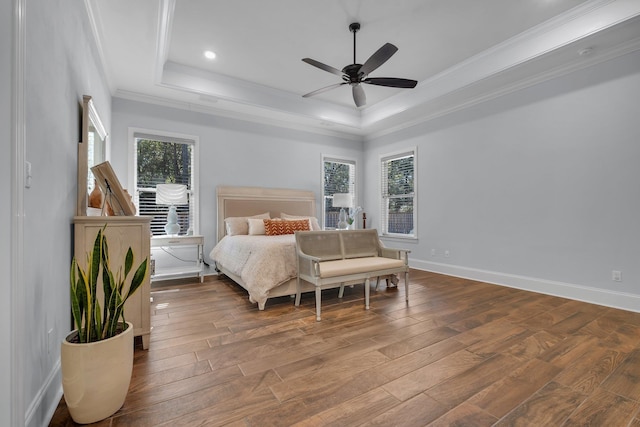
263 265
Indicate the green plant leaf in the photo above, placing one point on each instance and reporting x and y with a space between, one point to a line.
94 265
120 282
118 312
113 304
95 260
82 295
98 323
97 320
108 289
128 262
75 302
138 278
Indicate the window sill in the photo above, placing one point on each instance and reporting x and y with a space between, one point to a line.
398 237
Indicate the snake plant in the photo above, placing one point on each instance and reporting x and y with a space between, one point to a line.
96 320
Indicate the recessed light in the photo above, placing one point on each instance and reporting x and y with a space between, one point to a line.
209 54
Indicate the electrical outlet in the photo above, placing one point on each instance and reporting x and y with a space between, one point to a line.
433 252
616 275
446 253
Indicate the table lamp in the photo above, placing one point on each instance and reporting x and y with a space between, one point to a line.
342 200
171 194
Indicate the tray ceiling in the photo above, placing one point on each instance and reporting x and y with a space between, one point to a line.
460 51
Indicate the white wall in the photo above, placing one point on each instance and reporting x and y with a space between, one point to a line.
6 41
60 68
232 152
538 189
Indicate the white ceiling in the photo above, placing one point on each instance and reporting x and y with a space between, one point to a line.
460 51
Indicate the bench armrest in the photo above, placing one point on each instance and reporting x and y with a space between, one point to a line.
302 255
402 254
308 264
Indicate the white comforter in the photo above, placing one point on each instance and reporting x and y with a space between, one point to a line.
262 262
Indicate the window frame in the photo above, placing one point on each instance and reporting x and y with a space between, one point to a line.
384 213
194 192
336 159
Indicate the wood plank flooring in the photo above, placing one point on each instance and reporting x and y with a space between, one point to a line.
461 353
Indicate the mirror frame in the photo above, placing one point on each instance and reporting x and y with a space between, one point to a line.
90 118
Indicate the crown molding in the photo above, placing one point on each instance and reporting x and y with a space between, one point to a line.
321 128
163 38
554 43
233 90
96 30
448 103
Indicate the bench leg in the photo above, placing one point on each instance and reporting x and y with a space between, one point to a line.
341 292
318 302
377 283
297 303
406 285
367 291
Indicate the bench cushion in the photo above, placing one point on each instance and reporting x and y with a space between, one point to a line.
343 267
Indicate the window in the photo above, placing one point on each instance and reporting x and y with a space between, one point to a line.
338 176
398 201
164 159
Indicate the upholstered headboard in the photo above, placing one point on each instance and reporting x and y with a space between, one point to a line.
248 201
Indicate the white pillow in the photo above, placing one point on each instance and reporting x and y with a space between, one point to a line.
256 226
236 225
313 221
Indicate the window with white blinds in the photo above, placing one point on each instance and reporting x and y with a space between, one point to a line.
161 159
338 176
398 199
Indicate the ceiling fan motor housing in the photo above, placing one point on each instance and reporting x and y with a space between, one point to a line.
352 72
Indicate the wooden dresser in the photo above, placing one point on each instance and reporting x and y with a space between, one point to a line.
122 232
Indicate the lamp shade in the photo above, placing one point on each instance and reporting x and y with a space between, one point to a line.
342 200
171 194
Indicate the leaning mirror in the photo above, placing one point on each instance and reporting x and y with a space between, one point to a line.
92 150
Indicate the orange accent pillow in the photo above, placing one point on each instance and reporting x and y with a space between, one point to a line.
276 227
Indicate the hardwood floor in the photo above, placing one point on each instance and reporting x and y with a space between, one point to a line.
460 353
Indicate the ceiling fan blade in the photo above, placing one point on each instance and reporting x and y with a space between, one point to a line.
324 89
358 95
378 58
322 66
391 82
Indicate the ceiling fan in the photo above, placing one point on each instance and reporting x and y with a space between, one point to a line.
355 74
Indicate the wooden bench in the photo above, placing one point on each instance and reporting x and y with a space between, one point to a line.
331 259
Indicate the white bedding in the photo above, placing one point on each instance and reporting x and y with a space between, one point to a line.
262 262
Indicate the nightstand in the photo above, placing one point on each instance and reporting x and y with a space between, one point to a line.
188 267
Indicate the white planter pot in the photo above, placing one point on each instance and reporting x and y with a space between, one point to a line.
96 376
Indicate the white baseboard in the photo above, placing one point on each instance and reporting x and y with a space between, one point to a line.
43 406
608 298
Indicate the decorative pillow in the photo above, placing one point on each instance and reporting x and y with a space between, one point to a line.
313 221
276 227
256 226
239 225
